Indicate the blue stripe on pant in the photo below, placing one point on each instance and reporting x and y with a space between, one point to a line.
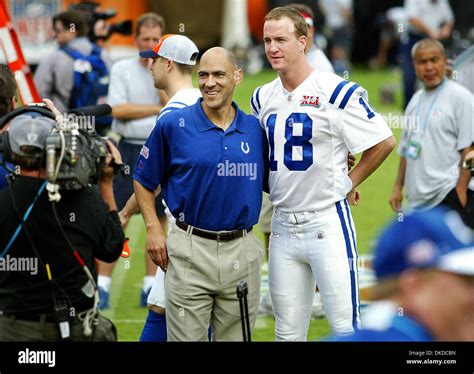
351 251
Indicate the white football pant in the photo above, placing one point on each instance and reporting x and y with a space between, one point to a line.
308 248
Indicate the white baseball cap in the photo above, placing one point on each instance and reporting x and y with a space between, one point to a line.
174 47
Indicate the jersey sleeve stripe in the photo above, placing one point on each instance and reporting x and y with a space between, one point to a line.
338 89
168 110
175 106
178 103
257 95
253 105
347 96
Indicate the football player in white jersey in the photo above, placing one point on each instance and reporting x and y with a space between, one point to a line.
313 119
172 67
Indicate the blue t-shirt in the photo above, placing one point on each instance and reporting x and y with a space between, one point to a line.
210 178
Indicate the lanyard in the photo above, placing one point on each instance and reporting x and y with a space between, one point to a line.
430 108
25 217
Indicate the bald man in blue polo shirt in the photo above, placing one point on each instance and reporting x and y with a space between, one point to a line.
210 161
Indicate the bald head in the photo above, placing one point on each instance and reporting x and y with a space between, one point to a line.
218 74
222 54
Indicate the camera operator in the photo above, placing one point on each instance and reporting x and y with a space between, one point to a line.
100 30
40 303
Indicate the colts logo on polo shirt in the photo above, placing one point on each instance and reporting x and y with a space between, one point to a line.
145 152
308 100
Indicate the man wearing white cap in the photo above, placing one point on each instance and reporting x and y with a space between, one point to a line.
425 268
172 60
135 104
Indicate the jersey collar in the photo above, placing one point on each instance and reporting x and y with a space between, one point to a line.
203 123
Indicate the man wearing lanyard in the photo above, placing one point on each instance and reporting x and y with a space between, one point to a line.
437 137
209 159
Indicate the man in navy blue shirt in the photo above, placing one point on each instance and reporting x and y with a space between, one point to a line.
425 268
210 161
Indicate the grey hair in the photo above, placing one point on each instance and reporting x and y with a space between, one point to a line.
426 44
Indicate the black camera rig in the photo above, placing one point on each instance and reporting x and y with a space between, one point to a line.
74 155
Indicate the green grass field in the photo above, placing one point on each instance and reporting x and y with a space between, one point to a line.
372 212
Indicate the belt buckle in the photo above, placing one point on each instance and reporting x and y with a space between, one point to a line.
224 236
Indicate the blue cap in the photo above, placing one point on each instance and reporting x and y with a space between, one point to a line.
432 239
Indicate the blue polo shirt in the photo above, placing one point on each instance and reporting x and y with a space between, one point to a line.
210 178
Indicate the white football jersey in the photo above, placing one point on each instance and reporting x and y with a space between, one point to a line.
310 132
180 100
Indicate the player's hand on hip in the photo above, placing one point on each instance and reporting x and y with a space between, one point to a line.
351 160
353 197
156 248
396 199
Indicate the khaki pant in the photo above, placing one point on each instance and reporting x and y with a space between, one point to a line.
200 285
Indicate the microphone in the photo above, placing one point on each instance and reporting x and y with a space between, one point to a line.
93 110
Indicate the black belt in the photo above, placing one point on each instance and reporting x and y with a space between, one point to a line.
212 235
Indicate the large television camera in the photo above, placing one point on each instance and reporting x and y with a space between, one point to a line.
91 9
74 154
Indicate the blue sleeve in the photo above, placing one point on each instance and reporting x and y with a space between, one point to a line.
151 164
266 163
255 102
